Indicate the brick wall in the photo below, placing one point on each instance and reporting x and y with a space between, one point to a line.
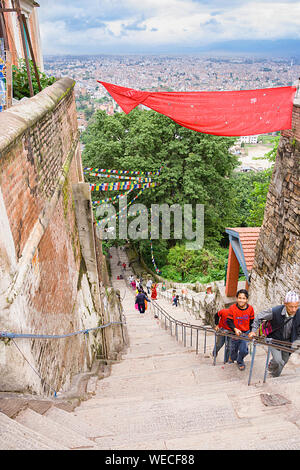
44 288
277 259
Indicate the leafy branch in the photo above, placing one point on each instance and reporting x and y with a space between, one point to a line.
21 83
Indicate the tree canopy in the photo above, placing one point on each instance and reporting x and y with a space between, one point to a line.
196 167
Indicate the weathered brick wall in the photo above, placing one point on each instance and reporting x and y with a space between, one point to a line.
31 166
277 260
44 286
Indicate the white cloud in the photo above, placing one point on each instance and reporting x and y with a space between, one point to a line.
66 25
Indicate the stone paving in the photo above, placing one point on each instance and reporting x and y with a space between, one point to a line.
164 396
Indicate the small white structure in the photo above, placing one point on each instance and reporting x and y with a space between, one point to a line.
248 139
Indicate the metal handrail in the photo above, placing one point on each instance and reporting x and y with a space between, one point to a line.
268 342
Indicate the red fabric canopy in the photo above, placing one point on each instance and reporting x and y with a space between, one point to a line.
229 113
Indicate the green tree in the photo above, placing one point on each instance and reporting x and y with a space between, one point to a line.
196 167
191 266
258 196
243 186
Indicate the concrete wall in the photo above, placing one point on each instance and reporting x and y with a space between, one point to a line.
45 278
277 259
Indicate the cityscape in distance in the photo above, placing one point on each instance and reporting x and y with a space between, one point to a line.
166 73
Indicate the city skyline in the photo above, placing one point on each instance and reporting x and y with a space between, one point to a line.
265 27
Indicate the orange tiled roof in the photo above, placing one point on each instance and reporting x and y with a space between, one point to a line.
248 237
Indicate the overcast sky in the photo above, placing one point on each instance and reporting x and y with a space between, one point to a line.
169 26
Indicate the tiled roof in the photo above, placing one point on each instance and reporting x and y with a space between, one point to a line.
248 237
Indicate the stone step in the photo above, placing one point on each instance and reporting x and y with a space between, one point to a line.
126 400
164 396
267 433
154 362
206 380
15 436
255 436
144 383
69 420
56 432
245 401
163 419
143 416
140 353
12 405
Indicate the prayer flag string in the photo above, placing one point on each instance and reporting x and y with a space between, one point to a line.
111 199
152 257
120 186
134 179
123 209
123 172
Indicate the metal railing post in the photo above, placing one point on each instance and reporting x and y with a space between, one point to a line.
252 363
226 349
215 350
267 363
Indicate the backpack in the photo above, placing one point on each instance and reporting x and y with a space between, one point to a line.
266 328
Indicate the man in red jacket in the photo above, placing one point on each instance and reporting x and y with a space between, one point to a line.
239 320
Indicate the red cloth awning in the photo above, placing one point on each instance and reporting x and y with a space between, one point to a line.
228 113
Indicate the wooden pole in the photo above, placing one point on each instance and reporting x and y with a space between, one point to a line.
19 13
8 78
32 53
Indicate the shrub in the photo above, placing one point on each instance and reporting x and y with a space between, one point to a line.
21 83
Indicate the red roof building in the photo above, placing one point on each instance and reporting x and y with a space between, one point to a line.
241 254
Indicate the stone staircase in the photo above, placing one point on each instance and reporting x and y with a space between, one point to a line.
162 396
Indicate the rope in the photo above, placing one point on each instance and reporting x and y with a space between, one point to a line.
5 334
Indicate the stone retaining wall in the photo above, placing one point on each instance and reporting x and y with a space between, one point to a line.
277 259
44 280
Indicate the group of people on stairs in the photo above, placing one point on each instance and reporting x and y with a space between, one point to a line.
141 298
281 323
